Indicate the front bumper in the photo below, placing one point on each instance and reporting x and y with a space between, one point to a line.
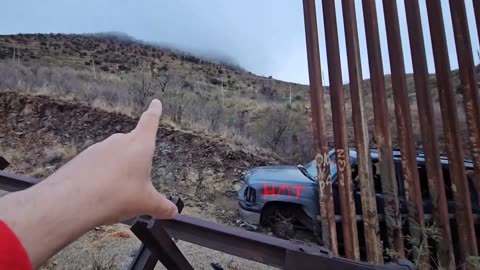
248 212
249 216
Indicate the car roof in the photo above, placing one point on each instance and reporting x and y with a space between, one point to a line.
374 153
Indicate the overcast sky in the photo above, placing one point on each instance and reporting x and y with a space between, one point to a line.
264 36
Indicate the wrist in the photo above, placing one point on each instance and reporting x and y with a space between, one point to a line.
80 203
58 210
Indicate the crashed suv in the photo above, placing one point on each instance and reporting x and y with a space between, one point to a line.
272 195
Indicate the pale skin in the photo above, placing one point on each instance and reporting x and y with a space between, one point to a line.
107 183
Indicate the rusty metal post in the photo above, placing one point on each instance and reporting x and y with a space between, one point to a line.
406 137
329 231
337 97
383 136
476 9
367 188
468 84
451 129
436 182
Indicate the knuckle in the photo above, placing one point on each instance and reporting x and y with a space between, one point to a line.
150 115
116 136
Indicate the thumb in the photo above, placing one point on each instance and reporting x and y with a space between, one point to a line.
159 207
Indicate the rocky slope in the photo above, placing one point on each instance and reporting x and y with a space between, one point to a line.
114 54
218 96
38 134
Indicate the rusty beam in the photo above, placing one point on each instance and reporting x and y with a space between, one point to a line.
365 174
476 9
160 243
451 129
469 89
3 163
337 97
471 106
144 259
406 137
436 184
261 248
383 136
327 214
11 182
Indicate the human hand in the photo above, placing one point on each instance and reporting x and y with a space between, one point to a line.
113 177
107 183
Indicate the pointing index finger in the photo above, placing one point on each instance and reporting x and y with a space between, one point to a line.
148 124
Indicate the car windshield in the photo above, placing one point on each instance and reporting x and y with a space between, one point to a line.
312 166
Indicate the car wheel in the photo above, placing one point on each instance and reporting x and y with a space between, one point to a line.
280 219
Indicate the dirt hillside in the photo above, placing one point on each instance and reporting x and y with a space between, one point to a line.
108 71
196 166
39 134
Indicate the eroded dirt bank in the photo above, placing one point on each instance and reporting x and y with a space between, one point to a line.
39 134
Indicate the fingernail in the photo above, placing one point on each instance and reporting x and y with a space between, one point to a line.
155 104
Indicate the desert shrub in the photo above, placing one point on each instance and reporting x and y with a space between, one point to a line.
267 90
59 81
195 110
272 127
175 104
214 115
141 89
215 81
191 59
284 131
123 67
145 83
278 128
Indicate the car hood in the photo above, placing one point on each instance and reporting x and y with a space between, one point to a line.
277 174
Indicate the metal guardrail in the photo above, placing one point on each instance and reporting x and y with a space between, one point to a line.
11 182
157 243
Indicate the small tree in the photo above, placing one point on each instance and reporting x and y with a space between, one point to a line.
273 126
141 89
214 115
144 85
176 102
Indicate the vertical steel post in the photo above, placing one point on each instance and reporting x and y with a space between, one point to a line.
468 84
329 232
365 174
337 97
383 136
406 137
476 9
451 129
436 184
